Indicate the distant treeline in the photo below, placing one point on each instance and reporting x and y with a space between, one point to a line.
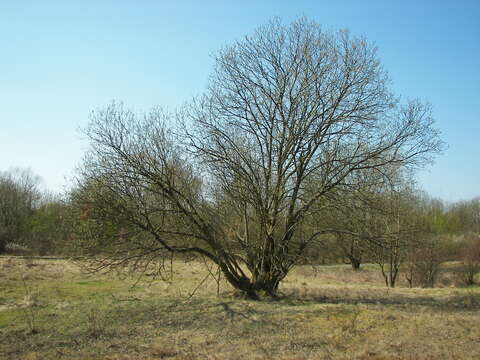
405 231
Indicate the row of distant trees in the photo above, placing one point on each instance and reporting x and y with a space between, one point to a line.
297 149
31 218
404 230
400 230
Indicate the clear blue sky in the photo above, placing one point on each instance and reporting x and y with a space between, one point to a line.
61 59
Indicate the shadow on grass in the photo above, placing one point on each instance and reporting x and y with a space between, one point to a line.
297 297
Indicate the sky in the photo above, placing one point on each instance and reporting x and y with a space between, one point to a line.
59 60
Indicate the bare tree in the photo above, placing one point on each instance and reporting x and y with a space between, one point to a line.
470 256
433 245
397 227
424 260
290 114
352 217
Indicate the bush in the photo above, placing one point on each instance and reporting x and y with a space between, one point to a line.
424 261
470 256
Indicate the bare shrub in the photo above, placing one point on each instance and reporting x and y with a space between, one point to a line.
29 308
424 261
95 324
470 255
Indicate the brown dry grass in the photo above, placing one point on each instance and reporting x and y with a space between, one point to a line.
328 312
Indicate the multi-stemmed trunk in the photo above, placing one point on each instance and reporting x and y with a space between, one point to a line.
261 283
266 272
355 263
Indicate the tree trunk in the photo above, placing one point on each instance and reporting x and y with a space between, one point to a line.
392 278
355 264
3 242
256 290
264 282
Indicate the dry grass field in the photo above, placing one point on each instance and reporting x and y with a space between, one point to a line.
49 309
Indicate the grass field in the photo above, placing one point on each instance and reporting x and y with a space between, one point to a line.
49 309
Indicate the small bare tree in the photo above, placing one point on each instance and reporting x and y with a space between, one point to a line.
352 215
395 230
470 255
424 260
290 113
432 247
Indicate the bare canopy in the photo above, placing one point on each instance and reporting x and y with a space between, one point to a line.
290 115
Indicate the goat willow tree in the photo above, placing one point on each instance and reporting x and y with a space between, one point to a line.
290 114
